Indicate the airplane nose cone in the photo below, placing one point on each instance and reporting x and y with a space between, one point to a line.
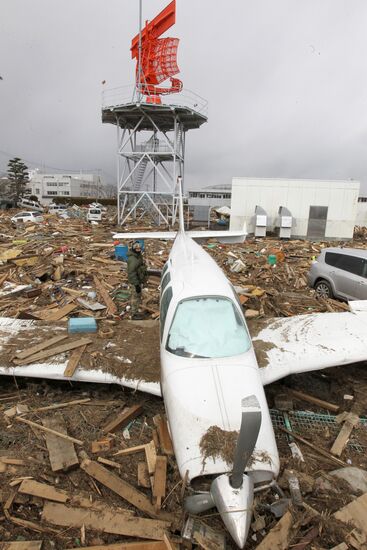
234 506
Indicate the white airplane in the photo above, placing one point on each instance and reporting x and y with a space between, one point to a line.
210 378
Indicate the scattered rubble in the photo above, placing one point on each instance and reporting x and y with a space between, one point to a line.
92 466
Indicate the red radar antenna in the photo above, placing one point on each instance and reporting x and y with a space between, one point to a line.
156 57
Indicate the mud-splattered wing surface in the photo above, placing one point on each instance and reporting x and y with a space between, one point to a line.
129 356
309 342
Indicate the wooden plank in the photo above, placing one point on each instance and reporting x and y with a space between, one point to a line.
12 461
150 545
200 533
123 419
278 536
55 351
151 457
58 314
39 347
73 361
42 490
143 475
24 545
49 430
314 400
112 308
61 405
163 434
355 513
130 450
114 522
107 462
121 488
159 483
61 453
351 420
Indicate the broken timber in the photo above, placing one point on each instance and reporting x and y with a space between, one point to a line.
73 362
112 521
61 452
123 419
122 488
350 420
55 351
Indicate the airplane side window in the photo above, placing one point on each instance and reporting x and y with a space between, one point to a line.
165 267
166 279
165 302
207 327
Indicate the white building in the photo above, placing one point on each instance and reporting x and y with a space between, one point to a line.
320 209
362 212
48 186
201 201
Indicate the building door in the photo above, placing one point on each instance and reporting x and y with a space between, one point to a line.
317 222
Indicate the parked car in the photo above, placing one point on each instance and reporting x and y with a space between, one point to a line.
24 217
340 273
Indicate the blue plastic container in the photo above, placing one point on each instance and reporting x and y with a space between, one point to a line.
121 250
82 324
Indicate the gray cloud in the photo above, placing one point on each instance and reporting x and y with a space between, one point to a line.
285 82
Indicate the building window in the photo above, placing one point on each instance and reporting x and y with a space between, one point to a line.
65 193
51 184
37 191
51 192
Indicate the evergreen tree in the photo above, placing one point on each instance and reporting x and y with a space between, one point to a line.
18 176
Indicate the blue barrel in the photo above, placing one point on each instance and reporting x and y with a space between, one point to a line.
121 250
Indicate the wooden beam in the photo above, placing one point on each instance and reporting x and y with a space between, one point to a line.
39 347
55 351
123 419
42 490
350 421
148 545
278 536
159 483
114 521
163 434
130 450
121 488
314 400
355 513
24 545
151 457
112 309
48 430
73 361
61 452
61 405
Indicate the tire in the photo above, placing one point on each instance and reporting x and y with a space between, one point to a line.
323 289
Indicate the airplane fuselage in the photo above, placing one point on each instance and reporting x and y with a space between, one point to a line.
208 366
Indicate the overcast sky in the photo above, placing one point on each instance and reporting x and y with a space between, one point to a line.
285 81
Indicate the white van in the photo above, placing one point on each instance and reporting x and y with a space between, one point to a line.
57 208
94 215
31 205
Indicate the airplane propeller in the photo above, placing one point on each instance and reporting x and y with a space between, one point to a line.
233 494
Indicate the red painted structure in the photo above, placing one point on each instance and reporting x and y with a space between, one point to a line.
158 56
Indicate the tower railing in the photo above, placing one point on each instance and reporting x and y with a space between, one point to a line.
125 95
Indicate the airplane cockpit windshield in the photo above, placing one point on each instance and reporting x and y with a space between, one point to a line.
207 328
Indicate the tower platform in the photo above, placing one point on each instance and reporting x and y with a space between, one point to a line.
118 108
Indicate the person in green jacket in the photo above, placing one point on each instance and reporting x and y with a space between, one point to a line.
137 276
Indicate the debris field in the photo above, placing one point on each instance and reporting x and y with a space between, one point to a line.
92 465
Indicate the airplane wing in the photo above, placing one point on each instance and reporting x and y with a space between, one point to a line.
309 342
16 335
222 236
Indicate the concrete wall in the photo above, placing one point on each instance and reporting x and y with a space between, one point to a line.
341 198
